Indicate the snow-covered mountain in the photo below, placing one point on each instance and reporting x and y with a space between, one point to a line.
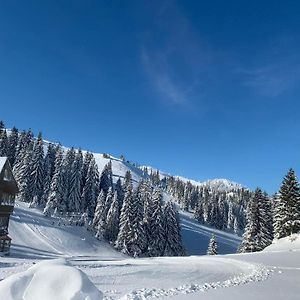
219 184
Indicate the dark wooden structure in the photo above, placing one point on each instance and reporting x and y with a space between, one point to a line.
8 191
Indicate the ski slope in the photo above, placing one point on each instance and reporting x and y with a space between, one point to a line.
35 236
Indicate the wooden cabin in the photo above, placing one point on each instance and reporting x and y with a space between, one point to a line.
8 191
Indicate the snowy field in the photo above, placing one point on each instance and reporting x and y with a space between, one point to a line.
271 274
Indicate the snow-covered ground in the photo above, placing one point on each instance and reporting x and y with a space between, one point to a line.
271 274
55 279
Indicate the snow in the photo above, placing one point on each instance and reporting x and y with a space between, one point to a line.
271 274
119 167
196 236
289 243
35 236
226 277
2 162
49 280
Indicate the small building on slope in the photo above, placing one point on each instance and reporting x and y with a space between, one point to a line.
8 191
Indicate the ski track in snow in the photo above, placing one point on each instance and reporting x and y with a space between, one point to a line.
258 273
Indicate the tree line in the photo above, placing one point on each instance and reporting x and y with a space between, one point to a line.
60 181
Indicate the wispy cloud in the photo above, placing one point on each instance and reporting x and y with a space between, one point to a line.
163 82
272 81
174 61
278 70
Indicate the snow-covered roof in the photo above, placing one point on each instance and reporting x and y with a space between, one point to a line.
3 160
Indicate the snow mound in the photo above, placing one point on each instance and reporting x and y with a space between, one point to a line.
49 280
289 243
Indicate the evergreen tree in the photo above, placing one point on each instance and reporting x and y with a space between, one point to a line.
2 126
287 207
120 193
56 194
37 175
12 145
106 181
258 233
131 237
148 209
74 199
86 162
266 221
212 246
89 193
127 181
230 218
157 237
112 220
23 177
99 220
138 235
108 201
49 168
199 213
3 143
252 230
122 242
173 244
67 168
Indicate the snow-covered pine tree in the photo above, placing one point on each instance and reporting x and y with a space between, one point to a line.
173 243
89 193
250 236
199 212
56 193
86 162
130 238
157 226
12 145
138 236
266 221
23 177
106 181
67 164
112 220
258 233
2 126
99 220
37 175
20 152
3 143
230 218
212 246
120 192
146 192
127 181
74 199
99 209
287 207
49 167
122 242
236 228
108 201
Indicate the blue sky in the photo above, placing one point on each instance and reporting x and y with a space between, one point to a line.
203 89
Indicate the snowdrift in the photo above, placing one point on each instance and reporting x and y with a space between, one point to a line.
49 280
289 243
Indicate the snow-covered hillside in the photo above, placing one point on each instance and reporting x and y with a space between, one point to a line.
35 236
